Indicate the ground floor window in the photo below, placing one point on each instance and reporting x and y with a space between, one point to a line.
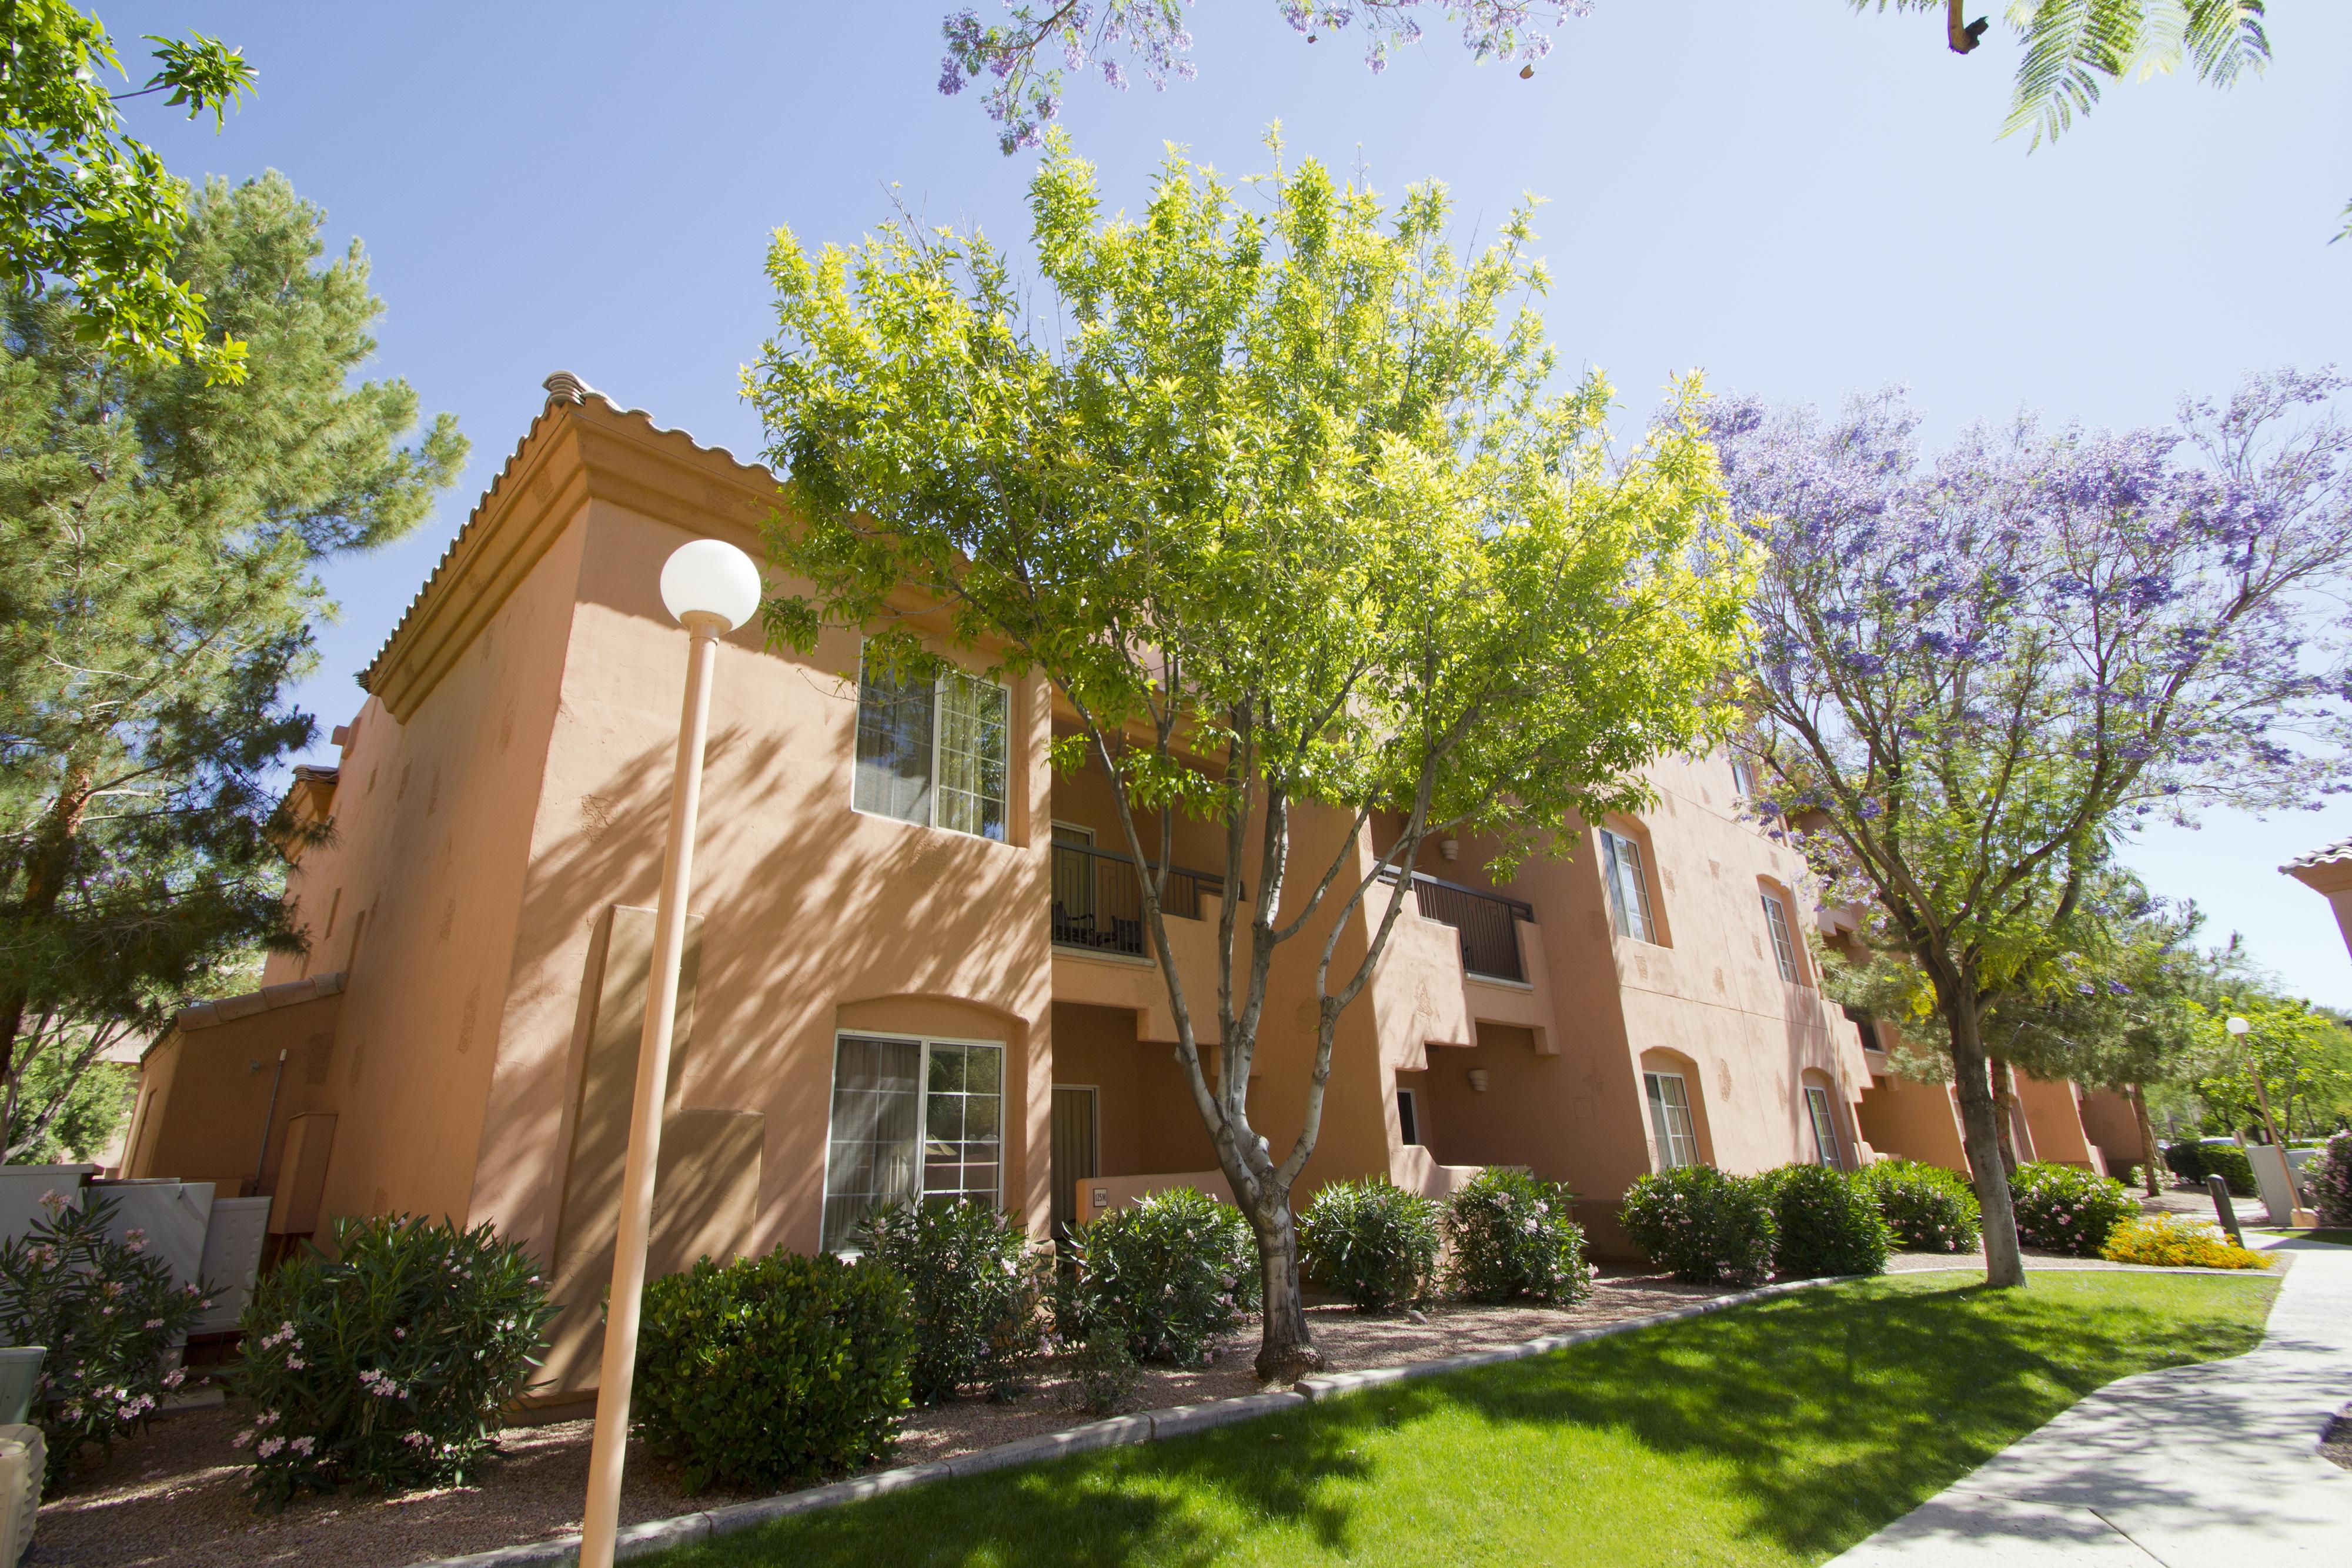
910 1118
1670 1119
1825 1142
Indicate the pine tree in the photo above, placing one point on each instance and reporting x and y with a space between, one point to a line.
160 537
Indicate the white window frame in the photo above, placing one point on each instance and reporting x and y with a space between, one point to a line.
1676 1147
1819 1112
936 791
1784 948
922 1110
1743 778
1617 851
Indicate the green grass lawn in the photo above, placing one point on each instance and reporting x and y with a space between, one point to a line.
2338 1237
1775 1434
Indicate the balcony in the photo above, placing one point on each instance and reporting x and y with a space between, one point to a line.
1098 900
1488 925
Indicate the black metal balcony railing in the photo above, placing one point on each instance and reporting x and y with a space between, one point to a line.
1488 923
1098 900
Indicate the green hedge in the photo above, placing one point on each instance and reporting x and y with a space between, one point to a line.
1927 1208
1371 1242
2193 1162
1824 1223
1172 1272
2065 1208
773 1369
1512 1240
974 1290
1702 1226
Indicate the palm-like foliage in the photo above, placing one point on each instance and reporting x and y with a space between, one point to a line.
2072 46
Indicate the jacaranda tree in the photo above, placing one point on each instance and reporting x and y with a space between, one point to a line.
1970 674
1282 503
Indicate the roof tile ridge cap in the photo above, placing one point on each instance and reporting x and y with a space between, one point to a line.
474 518
2340 850
646 418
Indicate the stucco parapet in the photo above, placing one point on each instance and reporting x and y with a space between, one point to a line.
292 993
567 455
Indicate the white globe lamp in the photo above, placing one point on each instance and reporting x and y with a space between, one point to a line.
711 577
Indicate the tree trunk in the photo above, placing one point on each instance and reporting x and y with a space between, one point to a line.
44 883
2151 1155
1285 1352
2004 1105
1955 994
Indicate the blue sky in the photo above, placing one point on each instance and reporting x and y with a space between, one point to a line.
1797 200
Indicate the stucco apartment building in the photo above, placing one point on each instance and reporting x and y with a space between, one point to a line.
914 962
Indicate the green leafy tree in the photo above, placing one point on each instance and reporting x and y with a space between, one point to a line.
1284 508
86 207
158 538
2113 1004
2301 1055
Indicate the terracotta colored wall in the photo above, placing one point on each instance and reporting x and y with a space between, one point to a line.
433 821
2112 1125
809 909
1912 1121
2054 1121
211 1090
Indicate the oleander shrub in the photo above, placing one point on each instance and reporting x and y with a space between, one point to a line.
1702 1226
974 1292
1103 1372
773 1369
1173 1271
1927 1208
2178 1241
383 1366
1511 1238
2193 1162
2329 1173
1371 1242
107 1313
1824 1223
2068 1209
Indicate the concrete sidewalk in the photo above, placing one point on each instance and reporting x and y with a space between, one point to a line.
2197 1467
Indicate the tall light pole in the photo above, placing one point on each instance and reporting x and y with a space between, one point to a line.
2239 1027
712 588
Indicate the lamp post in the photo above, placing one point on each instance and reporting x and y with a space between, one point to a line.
712 588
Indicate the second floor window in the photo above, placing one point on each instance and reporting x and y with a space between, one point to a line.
1743 778
1629 886
933 751
1784 950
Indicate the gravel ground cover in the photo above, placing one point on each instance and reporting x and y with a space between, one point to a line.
174 1495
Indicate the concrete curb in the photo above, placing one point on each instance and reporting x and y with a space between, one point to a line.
1122 1431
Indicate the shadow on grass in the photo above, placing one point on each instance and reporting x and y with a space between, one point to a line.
1809 1422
